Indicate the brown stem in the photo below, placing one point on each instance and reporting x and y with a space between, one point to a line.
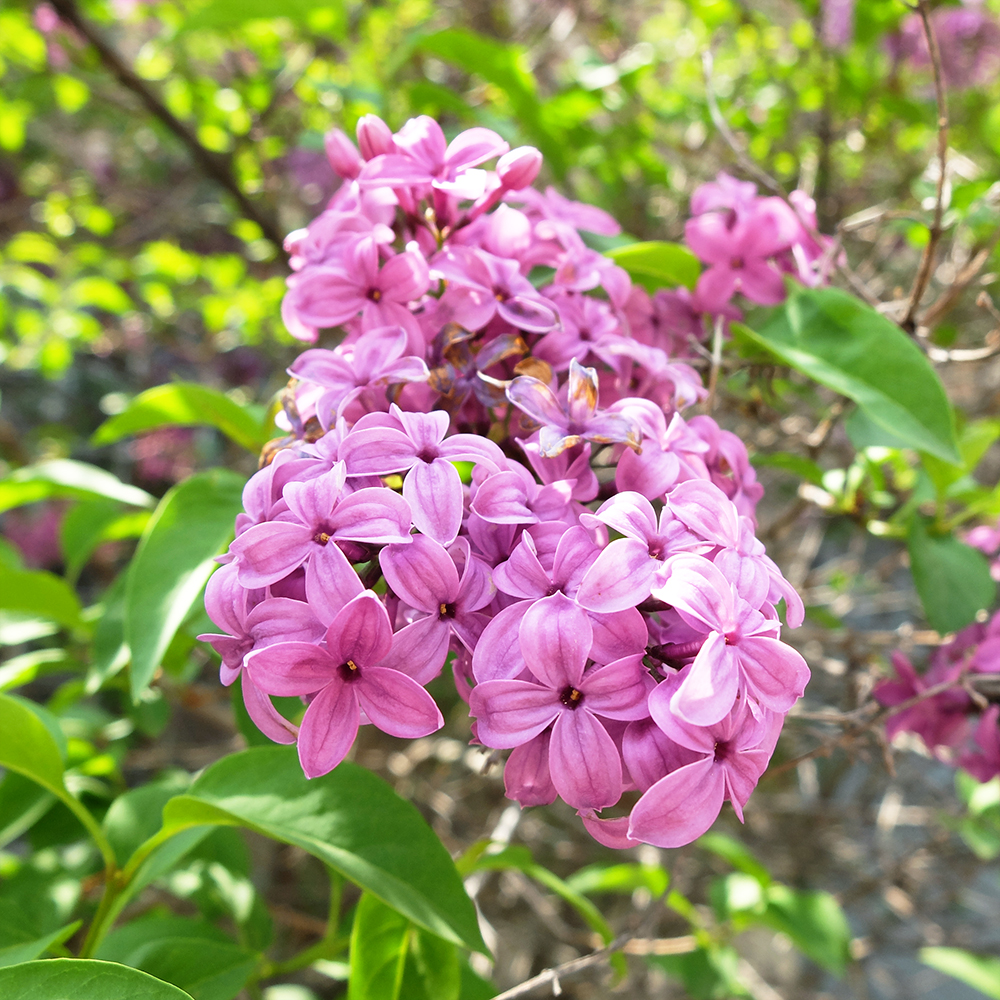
218 166
552 977
920 283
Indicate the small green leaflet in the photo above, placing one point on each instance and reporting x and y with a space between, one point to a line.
842 343
192 524
82 979
185 404
978 971
658 264
349 818
952 578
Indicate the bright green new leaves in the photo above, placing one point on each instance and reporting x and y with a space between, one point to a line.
393 960
815 923
845 345
380 939
63 477
27 948
625 878
184 404
520 858
29 748
192 524
26 746
350 819
658 264
82 979
980 972
952 579
40 594
191 954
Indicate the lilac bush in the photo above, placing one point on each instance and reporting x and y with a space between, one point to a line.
493 467
941 707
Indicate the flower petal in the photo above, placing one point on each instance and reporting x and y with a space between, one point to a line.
397 704
328 729
421 573
434 493
584 762
556 636
509 713
680 807
291 669
620 578
361 632
708 692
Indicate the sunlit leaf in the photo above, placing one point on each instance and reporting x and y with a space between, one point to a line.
658 264
349 819
82 979
952 578
192 524
842 343
184 404
981 972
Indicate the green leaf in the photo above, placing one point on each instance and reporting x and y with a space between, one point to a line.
472 985
22 804
736 854
815 923
978 971
840 342
520 858
349 819
432 970
191 954
380 940
63 477
27 746
192 524
799 465
184 404
39 593
135 815
657 264
225 14
82 979
974 441
92 522
863 433
707 973
623 878
25 951
952 579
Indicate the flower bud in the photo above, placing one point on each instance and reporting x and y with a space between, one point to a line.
374 137
519 168
342 155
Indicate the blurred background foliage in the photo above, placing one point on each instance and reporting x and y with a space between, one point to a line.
154 155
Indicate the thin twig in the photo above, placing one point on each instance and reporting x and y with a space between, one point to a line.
554 976
762 177
218 166
985 686
930 250
713 376
718 119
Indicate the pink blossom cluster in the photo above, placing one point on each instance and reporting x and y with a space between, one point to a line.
986 538
749 243
494 470
968 40
951 723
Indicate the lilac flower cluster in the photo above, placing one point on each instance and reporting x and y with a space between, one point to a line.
952 724
430 499
750 242
968 40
